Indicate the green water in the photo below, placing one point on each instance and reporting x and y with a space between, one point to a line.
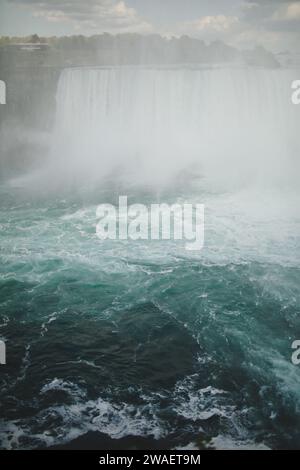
114 343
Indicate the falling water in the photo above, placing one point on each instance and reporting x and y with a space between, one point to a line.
152 124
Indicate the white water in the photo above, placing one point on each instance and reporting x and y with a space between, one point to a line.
232 126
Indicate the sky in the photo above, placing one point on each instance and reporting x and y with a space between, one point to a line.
274 24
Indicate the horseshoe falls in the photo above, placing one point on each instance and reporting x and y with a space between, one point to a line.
142 344
148 126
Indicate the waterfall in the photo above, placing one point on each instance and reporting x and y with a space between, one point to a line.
156 123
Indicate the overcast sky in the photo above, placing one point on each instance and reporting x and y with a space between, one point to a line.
243 23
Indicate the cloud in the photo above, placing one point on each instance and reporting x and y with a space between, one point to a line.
209 28
211 24
90 16
290 12
272 23
269 11
279 16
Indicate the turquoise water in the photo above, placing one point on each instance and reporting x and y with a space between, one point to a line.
127 344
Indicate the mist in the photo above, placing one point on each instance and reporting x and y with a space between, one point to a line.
149 126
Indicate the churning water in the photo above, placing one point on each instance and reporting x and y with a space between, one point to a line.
127 344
